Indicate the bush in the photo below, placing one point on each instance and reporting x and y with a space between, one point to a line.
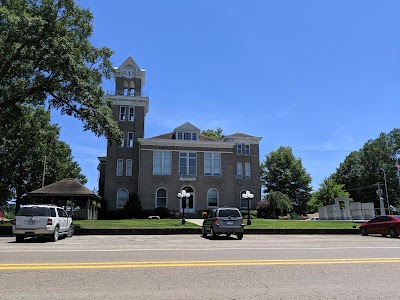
133 207
253 214
162 212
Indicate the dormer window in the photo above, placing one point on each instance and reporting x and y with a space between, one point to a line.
187 132
187 136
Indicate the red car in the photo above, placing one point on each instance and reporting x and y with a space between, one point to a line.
384 225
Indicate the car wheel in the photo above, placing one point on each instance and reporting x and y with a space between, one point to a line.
54 236
70 231
393 233
203 231
363 231
19 238
228 234
212 233
239 235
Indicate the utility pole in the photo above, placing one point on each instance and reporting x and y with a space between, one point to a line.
387 196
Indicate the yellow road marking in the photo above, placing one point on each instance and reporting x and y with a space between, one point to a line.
207 263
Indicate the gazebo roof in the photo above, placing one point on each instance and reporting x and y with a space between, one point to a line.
68 187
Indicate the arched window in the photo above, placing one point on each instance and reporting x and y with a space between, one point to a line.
161 197
122 197
212 198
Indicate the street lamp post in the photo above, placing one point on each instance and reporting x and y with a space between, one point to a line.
183 195
248 196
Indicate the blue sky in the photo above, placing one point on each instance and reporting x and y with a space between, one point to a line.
322 77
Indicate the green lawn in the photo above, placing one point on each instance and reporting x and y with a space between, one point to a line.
300 224
134 223
176 223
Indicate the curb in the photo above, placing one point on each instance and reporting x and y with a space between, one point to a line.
7 231
167 231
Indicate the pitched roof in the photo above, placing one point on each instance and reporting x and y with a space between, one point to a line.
65 187
171 136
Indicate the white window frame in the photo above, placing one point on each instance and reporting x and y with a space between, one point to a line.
239 170
208 198
187 136
157 197
129 143
128 167
122 113
247 170
212 161
239 149
247 149
189 158
162 160
120 167
131 113
118 198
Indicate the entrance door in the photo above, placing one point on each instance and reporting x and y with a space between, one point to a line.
190 207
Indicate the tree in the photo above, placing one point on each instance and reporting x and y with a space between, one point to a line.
215 134
279 203
282 172
326 194
29 149
361 170
46 55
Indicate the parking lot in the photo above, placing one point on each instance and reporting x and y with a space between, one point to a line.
188 266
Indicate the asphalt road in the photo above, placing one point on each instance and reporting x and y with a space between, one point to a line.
191 267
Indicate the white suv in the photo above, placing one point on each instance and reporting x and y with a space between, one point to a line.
42 220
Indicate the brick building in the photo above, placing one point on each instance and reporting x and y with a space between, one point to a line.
214 172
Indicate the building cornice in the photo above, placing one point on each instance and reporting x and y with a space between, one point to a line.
185 143
131 101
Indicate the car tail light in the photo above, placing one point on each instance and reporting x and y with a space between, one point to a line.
15 221
49 221
242 221
216 222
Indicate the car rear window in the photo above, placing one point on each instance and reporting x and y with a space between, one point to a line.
229 213
34 211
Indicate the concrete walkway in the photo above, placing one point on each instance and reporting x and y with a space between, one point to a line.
196 221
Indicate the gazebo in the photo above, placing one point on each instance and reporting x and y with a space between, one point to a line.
72 190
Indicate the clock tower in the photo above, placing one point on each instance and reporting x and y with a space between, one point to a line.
119 170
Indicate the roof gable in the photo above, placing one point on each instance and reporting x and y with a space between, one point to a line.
187 127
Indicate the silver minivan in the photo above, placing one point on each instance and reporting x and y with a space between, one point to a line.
223 220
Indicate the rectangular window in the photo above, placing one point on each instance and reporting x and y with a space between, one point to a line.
247 170
180 136
131 113
122 140
187 163
128 171
194 136
187 136
162 163
120 167
130 139
244 203
239 149
212 164
122 113
239 169
247 149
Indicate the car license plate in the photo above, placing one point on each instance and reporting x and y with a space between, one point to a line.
229 222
